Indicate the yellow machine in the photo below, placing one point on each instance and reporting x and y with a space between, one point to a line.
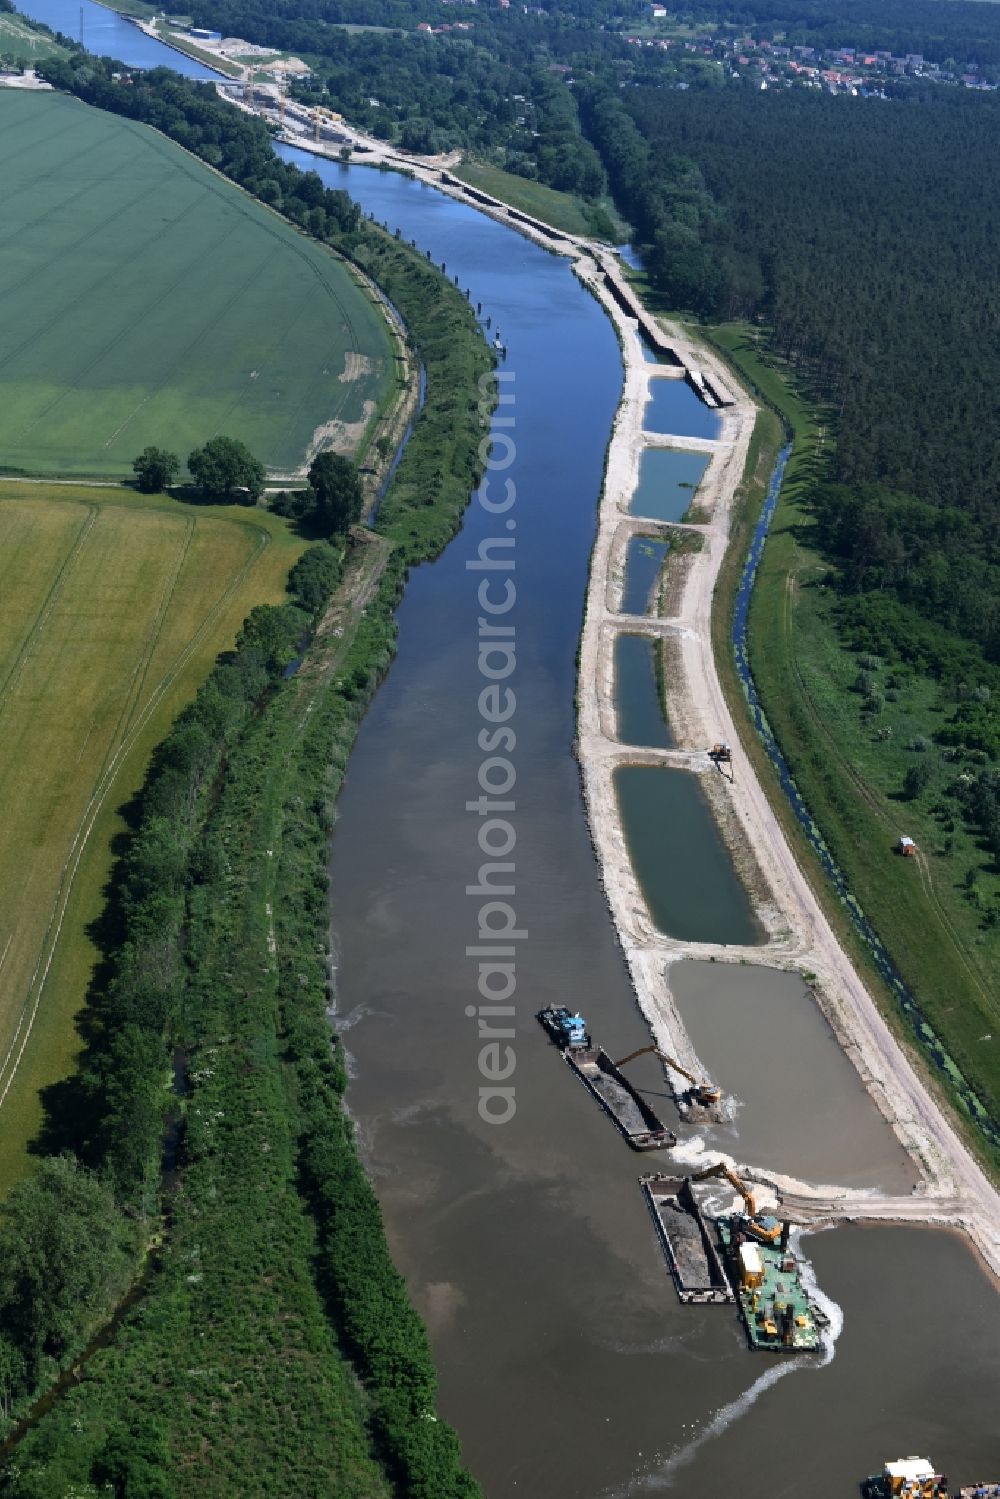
751 1270
721 756
704 1093
768 1233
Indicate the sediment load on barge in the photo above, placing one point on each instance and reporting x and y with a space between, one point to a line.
686 1240
642 1128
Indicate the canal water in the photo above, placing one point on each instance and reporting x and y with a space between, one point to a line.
674 407
110 35
641 718
565 1362
652 356
668 482
644 559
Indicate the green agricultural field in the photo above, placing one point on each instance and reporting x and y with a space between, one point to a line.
112 610
145 300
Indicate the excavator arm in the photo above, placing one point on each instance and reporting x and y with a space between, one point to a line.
704 1092
720 1169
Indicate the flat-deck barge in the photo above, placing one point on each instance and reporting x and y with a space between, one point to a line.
774 1304
628 1109
686 1240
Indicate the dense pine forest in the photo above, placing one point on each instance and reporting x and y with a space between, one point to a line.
862 235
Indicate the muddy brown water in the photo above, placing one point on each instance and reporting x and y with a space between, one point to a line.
565 1361
799 1100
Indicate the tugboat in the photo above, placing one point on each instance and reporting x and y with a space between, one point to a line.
566 1029
631 1113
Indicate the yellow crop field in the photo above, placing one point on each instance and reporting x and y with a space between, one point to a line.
112 611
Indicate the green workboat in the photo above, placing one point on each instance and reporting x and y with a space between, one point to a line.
767 1280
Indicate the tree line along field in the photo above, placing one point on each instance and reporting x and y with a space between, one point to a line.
112 610
145 300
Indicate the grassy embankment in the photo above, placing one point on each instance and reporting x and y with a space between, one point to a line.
191 49
167 30
23 44
849 770
114 608
165 307
563 211
140 8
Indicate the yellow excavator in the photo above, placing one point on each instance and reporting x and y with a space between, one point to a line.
768 1229
704 1093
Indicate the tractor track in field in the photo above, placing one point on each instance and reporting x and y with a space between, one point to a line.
18 664
317 289
11 1060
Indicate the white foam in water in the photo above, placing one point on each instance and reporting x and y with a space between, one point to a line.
726 1415
730 1108
831 1309
350 1020
689 1152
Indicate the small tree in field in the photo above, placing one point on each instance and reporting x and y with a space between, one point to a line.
224 468
155 470
339 498
916 780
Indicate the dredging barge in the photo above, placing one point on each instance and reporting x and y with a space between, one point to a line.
628 1109
774 1304
748 1261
